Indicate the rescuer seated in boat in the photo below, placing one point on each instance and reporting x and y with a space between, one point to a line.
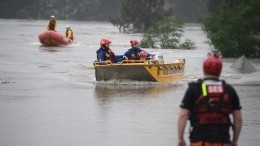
134 52
104 53
69 32
52 24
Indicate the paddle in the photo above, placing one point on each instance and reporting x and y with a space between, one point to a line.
72 41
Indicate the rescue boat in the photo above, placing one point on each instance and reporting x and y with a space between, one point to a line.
152 70
52 38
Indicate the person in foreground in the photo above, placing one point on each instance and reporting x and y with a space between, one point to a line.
135 53
104 53
208 103
52 24
69 32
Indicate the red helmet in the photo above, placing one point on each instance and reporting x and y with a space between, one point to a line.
133 42
105 42
143 54
212 65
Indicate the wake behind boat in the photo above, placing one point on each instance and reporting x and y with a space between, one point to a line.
52 38
154 70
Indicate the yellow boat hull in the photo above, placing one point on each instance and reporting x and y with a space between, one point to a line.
139 70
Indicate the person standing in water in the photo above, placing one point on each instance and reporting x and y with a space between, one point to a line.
208 103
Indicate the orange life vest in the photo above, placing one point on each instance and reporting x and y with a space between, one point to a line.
69 34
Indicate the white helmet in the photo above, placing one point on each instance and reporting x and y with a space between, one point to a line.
52 16
67 27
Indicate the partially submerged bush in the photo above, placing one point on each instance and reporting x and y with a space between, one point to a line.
188 44
166 34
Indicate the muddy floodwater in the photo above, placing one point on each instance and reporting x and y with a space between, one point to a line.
49 95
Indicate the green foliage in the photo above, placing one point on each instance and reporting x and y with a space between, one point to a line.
63 9
188 44
148 42
139 15
234 30
98 10
165 34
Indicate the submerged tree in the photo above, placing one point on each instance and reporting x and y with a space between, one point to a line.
166 34
233 28
139 15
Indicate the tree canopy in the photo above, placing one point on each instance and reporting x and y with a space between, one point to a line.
233 28
91 10
139 15
166 34
98 10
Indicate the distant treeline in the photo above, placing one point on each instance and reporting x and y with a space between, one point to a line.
91 10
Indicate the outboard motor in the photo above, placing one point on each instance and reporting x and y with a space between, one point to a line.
157 57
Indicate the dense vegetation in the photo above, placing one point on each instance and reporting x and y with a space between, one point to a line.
98 10
233 27
166 34
90 10
139 15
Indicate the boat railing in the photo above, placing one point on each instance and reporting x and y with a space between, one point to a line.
134 61
102 63
175 64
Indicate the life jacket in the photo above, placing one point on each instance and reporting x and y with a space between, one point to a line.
135 54
105 53
213 105
69 34
112 56
209 116
52 25
108 54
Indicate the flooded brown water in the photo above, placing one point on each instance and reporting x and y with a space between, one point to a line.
49 96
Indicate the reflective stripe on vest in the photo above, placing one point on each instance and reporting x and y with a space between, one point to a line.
204 89
213 105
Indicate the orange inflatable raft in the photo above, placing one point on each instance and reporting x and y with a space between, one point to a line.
52 38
